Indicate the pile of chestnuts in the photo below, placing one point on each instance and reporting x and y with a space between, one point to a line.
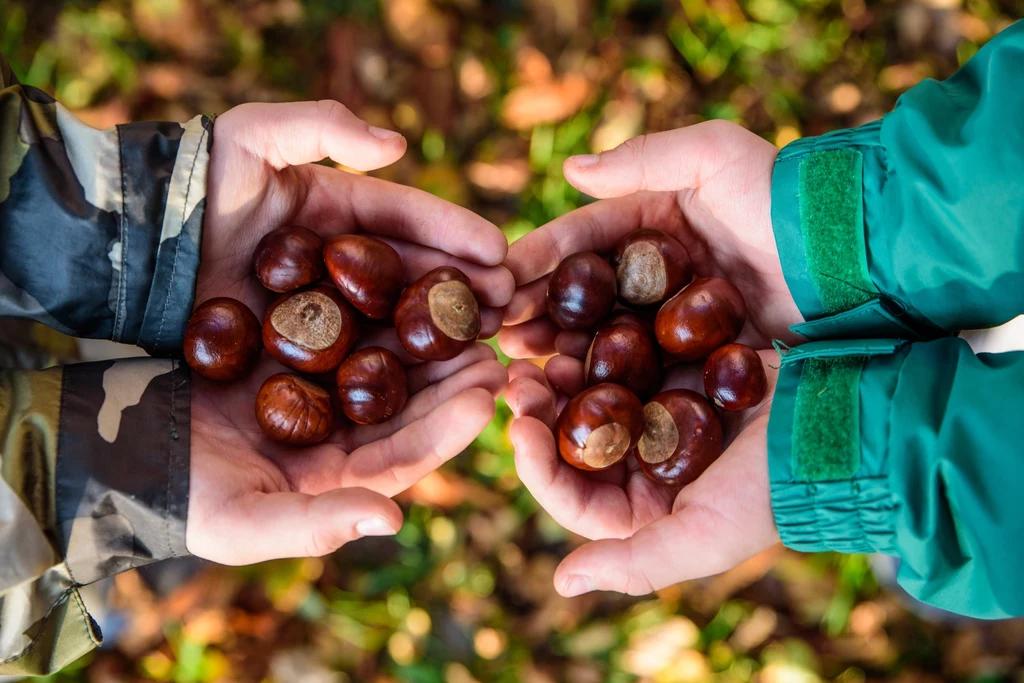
328 292
665 318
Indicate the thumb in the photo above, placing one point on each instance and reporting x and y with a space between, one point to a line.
662 162
267 526
294 133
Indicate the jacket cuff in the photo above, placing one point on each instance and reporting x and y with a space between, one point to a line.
827 453
826 192
122 466
164 172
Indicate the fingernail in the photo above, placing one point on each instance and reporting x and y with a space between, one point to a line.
577 584
586 160
375 526
384 133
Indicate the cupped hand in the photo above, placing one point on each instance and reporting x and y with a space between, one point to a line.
644 536
251 499
708 185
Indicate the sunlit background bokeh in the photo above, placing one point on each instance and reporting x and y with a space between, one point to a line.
493 95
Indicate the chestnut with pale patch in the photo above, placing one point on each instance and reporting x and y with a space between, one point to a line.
682 437
650 266
310 331
599 426
294 411
438 316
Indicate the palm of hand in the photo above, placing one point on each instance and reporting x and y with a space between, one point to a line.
250 498
709 187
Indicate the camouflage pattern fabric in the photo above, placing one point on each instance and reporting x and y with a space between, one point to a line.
99 237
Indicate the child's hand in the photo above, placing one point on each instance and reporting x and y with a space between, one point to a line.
708 185
645 536
251 499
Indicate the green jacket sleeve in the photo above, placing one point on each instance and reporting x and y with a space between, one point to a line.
912 226
872 450
99 229
93 481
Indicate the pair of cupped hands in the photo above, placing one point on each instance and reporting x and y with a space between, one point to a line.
707 185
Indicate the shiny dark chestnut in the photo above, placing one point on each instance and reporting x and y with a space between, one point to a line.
624 352
682 437
311 330
289 258
294 411
438 316
650 267
734 377
372 386
368 272
581 291
222 340
706 314
599 426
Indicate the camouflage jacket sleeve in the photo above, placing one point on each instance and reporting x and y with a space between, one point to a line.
99 229
99 237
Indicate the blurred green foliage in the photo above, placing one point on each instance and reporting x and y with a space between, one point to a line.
493 96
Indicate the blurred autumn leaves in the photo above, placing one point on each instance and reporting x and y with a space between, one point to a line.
493 95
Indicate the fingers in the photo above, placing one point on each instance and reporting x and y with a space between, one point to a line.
267 526
338 202
718 521
528 302
493 286
393 464
530 397
575 344
533 339
294 133
668 161
565 373
489 375
582 505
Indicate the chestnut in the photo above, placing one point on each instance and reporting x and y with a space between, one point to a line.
311 330
650 267
368 272
438 316
294 411
706 314
372 386
581 291
599 426
734 377
222 339
682 437
624 352
289 258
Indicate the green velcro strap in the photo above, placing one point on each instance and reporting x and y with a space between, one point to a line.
826 419
832 222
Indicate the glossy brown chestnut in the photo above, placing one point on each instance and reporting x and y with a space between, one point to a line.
372 386
708 313
599 426
682 437
650 267
289 258
581 291
734 377
222 339
438 316
368 272
294 411
624 352
310 331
